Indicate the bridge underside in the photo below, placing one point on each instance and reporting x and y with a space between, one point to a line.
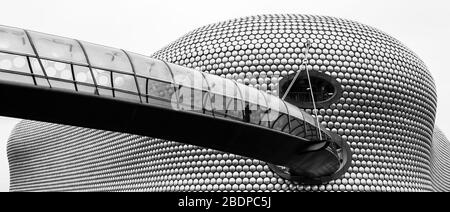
310 159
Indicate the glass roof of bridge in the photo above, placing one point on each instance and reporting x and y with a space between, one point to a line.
64 63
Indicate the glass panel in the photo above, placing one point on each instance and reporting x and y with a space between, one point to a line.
105 92
127 96
185 98
150 67
161 102
275 103
16 78
255 105
85 88
58 48
83 74
107 57
188 77
124 82
102 77
299 130
207 104
198 102
295 123
42 82
252 95
62 85
325 136
57 69
296 118
265 120
218 103
257 115
308 118
294 111
160 90
297 126
191 86
142 83
276 107
14 63
191 99
311 132
14 40
281 123
219 85
36 66
234 107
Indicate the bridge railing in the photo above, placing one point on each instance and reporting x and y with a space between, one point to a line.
51 61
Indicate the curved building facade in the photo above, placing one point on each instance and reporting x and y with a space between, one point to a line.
385 111
440 162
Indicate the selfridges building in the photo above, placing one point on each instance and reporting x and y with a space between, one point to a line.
370 90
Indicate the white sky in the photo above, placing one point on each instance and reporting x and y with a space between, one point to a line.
146 26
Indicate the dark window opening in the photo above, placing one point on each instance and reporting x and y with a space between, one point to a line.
326 90
322 90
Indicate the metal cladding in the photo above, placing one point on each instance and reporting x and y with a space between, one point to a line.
440 161
388 104
386 113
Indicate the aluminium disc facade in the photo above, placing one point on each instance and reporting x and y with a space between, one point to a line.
440 161
386 113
